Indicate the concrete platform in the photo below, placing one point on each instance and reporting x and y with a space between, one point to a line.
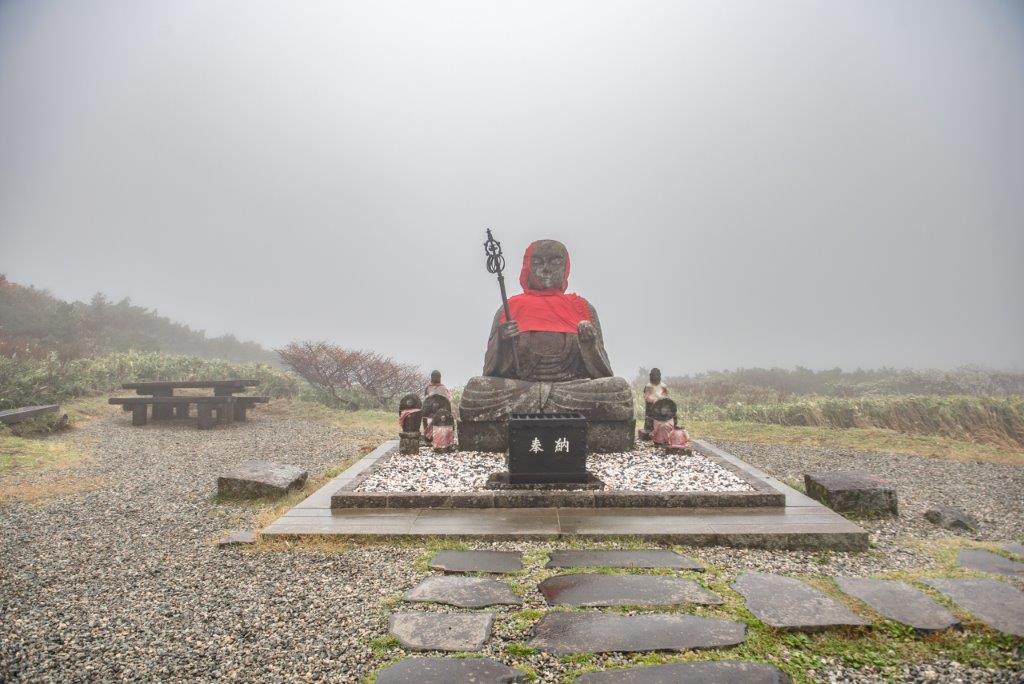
802 523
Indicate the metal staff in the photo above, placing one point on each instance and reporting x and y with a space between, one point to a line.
496 264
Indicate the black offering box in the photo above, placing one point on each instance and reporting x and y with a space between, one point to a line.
547 448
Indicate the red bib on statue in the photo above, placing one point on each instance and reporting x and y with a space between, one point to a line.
555 312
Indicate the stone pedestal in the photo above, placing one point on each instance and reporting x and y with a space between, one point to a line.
409 442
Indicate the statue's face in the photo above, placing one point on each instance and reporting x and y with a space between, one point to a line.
547 265
435 377
655 376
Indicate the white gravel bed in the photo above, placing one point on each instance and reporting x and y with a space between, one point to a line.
646 469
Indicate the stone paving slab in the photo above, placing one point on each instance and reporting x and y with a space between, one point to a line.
788 603
422 631
256 479
986 561
448 671
477 561
900 602
641 558
463 592
707 672
995 603
1014 548
238 538
594 590
562 633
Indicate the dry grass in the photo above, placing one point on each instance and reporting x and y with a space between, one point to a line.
47 488
860 439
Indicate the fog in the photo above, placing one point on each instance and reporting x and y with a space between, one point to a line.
738 183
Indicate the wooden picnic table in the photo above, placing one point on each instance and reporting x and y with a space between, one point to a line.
165 388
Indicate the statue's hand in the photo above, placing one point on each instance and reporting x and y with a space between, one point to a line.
586 332
508 330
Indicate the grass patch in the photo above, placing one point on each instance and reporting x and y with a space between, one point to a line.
22 453
859 439
382 645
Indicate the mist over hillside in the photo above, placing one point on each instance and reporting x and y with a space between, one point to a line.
34 324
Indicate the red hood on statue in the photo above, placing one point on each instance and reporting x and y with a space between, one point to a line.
548 310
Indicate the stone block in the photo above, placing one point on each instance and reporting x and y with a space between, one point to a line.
850 491
258 479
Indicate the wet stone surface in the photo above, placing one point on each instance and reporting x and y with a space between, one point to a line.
710 672
852 491
477 561
951 518
649 558
900 602
257 479
788 603
986 561
593 589
1015 548
995 603
463 592
422 631
448 670
239 538
563 633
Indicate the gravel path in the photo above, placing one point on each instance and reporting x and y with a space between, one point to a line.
646 469
124 582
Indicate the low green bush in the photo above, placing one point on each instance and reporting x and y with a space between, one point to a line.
27 382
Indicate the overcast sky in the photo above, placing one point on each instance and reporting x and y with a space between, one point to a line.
738 183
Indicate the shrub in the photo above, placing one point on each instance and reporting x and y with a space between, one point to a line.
337 373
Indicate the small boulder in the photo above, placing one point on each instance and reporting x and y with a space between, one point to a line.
258 479
951 518
851 491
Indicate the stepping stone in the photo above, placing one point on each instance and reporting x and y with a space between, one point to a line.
788 603
900 602
464 592
950 518
421 631
448 670
1014 548
995 603
592 589
986 561
238 539
708 672
651 558
477 561
852 491
258 479
562 633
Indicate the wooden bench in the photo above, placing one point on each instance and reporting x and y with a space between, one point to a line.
12 416
206 407
244 403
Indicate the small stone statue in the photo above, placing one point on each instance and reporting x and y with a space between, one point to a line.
435 386
663 416
678 442
431 405
409 410
653 391
443 431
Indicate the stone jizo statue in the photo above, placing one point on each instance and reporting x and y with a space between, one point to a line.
653 391
442 434
410 409
562 363
663 415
